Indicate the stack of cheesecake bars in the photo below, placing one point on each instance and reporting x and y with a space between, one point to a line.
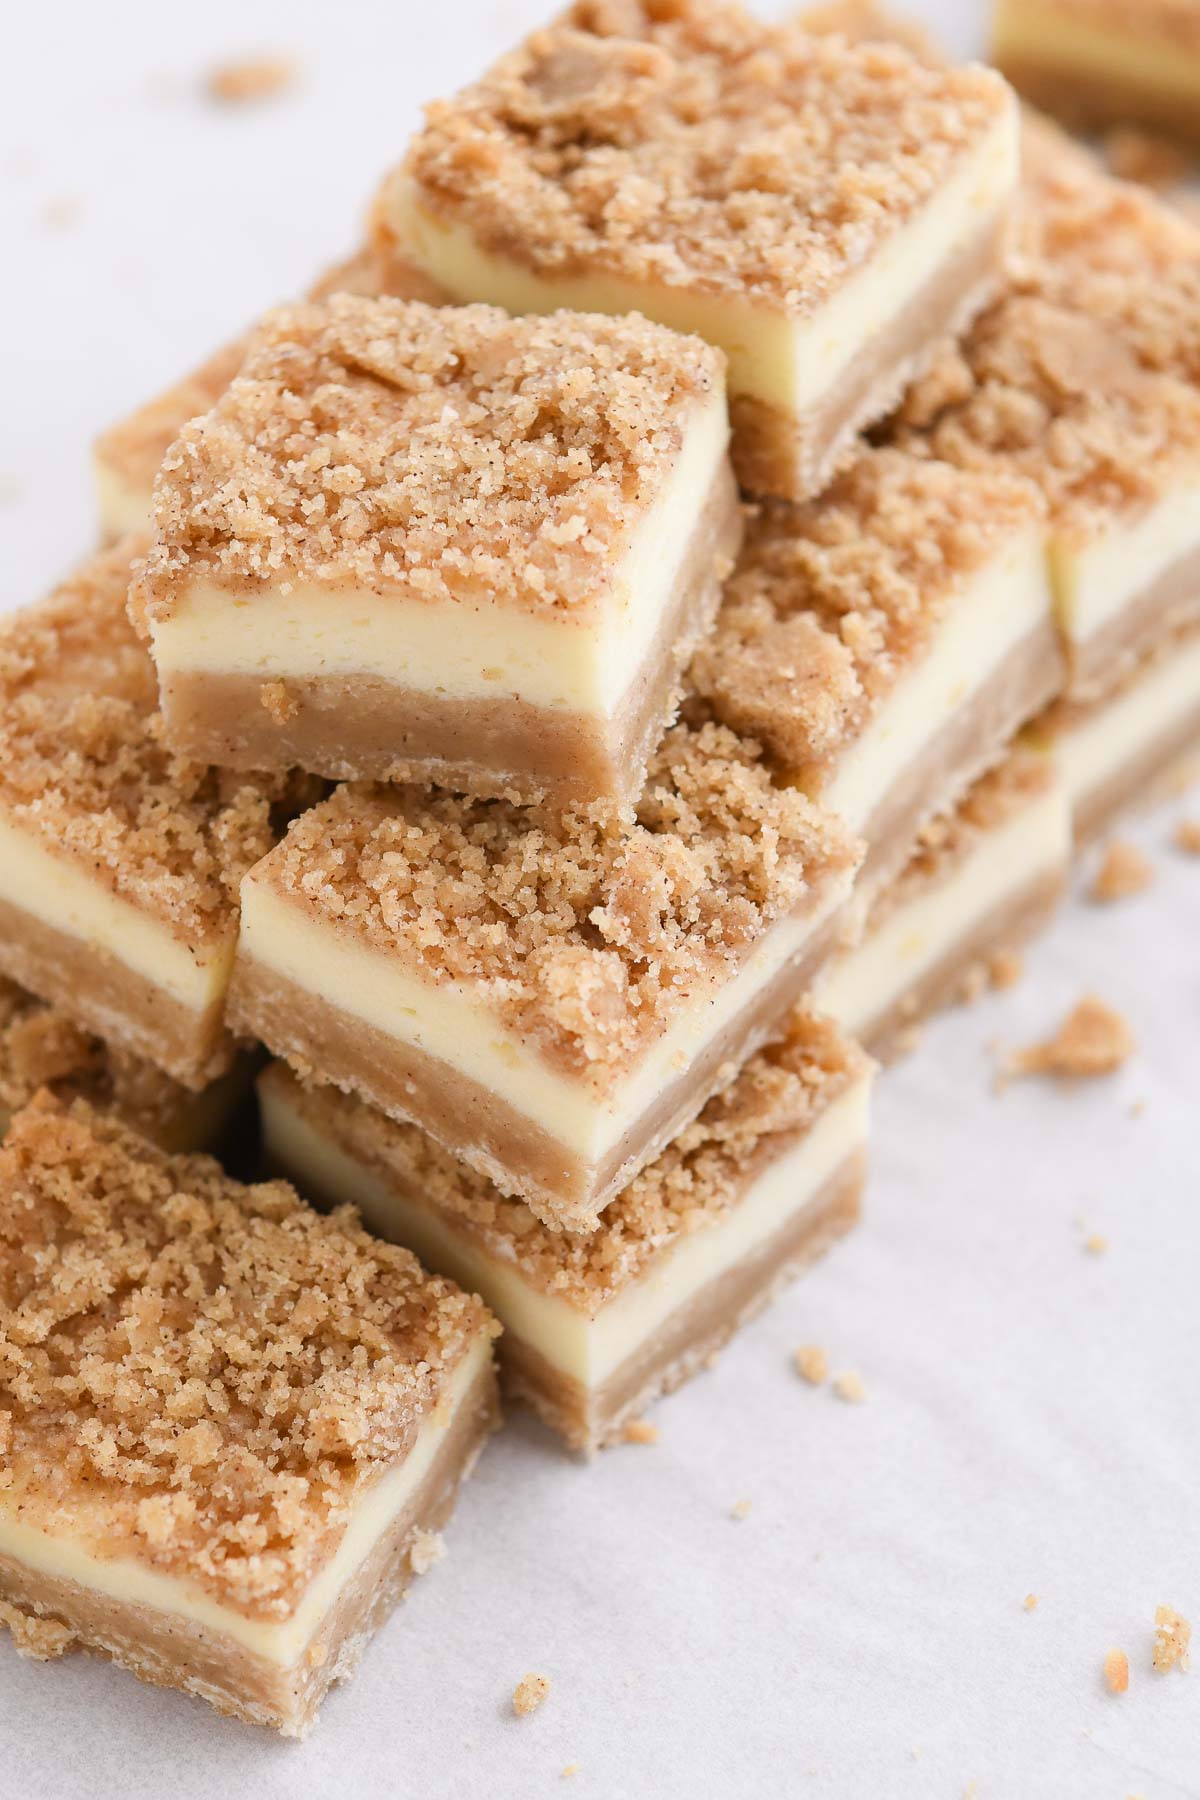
655 621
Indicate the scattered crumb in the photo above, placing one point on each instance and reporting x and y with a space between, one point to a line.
973 983
428 1548
1124 871
529 1693
1172 1640
276 698
641 1431
39 1639
1116 1671
62 211
907 1039
249 78
1005 968
740 1509
572 1769
1187 836
1030 1602
1095 1245
849 1387
1137 155
1093 1040
1137 1108
812 1363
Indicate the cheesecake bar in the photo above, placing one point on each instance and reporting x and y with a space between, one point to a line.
119 860
126 458
1105 62
41 1047
1054 394
226 1419
885 641
551 996
821 210
983 879
1112 750
439 544
596 1327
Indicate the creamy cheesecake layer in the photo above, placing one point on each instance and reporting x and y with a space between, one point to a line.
73 1558
587 1346
942 923
787 362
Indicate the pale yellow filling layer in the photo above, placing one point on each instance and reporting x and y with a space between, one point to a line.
1096 749
1037 31
1097 578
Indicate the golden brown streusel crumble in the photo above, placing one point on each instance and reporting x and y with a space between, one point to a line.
1172 1640
529 1693
1123 871
84 768
832 600
700 1176
249 78
584 932
1092 1040
454 450
867 22
200 1374
684 143
1134 154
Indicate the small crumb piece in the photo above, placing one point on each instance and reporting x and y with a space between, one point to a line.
1137 155
1137 1108
277 699
1116 1671
1187 836
812 1363
1005 968
428 1548
1172 1640
907 1039
40 1639
529 1693
1093 1040
572 1769
251 78
740 1509
1096 1244
1030 1602
640 1431
62 211
849 1387
1123 872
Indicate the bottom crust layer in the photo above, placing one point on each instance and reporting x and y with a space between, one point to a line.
167 1650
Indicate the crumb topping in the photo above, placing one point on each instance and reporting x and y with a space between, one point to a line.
455 451
833 600
692 1184
1092 1040
200 1374
529 1693
686 144
1123 871
83 764
583 931
1134 154
1172 1640
866 22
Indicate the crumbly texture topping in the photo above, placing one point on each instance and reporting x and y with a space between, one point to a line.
812 1364
1043 391
1134 154
581 930
1172 1640
685 143
199 1374
1116 1671
251 78
1092 1040
694 1182
84 768
1122 872
833 600
529 1693
866 22
456 452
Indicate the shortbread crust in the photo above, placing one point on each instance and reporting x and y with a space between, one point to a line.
595 1326
461 515
225 1417
551 995
790 197
119 862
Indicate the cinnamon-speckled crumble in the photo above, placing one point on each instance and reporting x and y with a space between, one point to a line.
455 450
83 766
584 932
199 1374
867 22
685 143
1092 1040
832 600
1122 872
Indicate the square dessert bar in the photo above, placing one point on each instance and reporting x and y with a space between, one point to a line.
822 210
226 1420
126 458
984 878
595 1327
41 1047
426 544
551 996
119 860
1105 62
885 641
1041 389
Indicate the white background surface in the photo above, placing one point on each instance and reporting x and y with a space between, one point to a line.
1033 1410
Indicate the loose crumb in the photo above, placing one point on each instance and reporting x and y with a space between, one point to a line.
1137 155
62 211
641 1431
740 1509
1005 968
572 1769
1187 836
812 1363
277 699
849 1387
428 1548
250 78
1093 1040
529 1693
39 1639
1172 1640
1096 1244
1137 1108
1116 1671
1030 1602
1124 871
